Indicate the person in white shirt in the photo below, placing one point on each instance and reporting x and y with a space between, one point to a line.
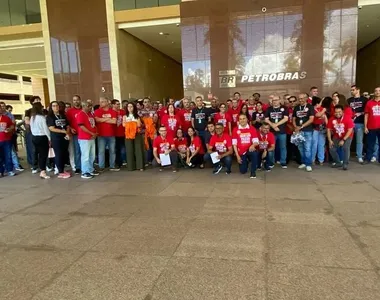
40 139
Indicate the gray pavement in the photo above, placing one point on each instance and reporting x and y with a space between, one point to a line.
288 235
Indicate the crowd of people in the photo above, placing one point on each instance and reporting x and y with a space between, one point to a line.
186 134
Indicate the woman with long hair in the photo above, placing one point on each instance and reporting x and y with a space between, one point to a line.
194 150
134 141
60 136
40 138
224 118
171 121
245 111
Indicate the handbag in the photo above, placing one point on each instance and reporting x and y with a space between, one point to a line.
51 153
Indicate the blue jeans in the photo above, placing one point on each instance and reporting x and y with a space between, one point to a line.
6 157
319 143
201 135
103 142
372 137
29 148
249 156
281 147
87 149
359 135
305 148
77 152
268 159
15 161
227 161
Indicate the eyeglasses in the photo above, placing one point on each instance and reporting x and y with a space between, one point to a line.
292 101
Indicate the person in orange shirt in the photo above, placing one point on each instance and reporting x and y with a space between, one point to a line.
134 141
149 119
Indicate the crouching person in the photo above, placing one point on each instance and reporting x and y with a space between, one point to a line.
164 151
245 141
267 144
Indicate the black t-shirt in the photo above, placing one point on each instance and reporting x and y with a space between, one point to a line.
212 111
59 122
258 116
358 106
200 118
302 113
275 115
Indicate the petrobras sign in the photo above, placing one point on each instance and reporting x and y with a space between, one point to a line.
273 77
228 79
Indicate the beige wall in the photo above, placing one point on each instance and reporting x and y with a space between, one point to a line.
145 71
368 67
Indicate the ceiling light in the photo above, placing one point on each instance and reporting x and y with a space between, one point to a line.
161 33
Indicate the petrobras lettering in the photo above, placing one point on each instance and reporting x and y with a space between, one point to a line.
284 76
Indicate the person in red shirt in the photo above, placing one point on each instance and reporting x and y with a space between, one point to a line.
222 144
180 143
372 124
74 150
87 133
319 131
185 115
195 150
267 144
121 154
171 121
224 118
6 131
245 141
251 105
339 134
234 113
164 145
106 119
313 93
237 97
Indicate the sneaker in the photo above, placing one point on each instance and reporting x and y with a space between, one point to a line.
374 159
217 169
278 162
335 165
268 170
272 166
309 169
303 166
95 173
34 171
19 169
49 169
101 170
253 176
124 164
114 169
78 171
87 176
284 166
63 176
228 172
11 174
56 171
360 160
259 169
345 167
321 163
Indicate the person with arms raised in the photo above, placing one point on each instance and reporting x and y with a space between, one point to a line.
245 141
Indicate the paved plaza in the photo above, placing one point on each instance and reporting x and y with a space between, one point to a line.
288 235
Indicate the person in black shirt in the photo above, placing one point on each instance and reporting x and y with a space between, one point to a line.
60 135
358 103
258 116
214 108
277 116
303 117
199 119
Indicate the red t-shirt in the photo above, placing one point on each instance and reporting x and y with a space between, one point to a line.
266 141
106 129
265 106
224 119
234 114
320 120
372 108
120 131
185 117
243 138
194 144
172 123
71 115
88 121
348 112
290 121
220 143
180 145
5 122
339 127
163 144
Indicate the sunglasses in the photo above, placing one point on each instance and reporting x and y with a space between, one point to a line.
292 101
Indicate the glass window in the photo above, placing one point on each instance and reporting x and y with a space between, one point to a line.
168 2
33 12
146 3
124 4
5 17
17 10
